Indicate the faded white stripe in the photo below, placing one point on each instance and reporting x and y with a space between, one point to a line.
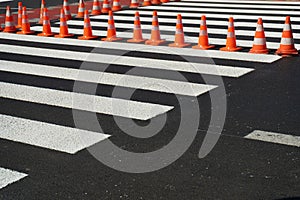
8 176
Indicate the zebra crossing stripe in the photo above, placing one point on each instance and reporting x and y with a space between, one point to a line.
272 137
191 67
147 49
138 82
240 5
208 15
49 136
8 176
186 29
217 41
97 104
246 2
222 10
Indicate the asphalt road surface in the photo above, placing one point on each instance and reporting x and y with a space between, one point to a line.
100 120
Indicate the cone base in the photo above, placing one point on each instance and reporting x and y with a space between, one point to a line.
203 47
26 32
45 34
165 1
9 31
179 45
136 40
287 52
134 5
111 39
19 26
97 12
259 51
147 3
116 9
64 36
87 37
155 42
105 11
230 48
155 3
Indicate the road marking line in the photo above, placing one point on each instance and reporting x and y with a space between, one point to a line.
195 22
138 82
91 103
221 10
277 138
148 49
208 15
218 41
245 2
268 7
8 176
212 69
49 136
186 29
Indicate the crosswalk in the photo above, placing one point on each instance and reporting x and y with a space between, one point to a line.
40 71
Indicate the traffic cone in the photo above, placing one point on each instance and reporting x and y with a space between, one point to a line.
46 25
137 31
156 2
287 46
9 22
116 5
19 15
81 9
179 35
25 23
43 5
231 40
87 29
67 11
147 3
134 4
155 33
64 33
111 30
203 36
164 1
105 6
96 8
259 43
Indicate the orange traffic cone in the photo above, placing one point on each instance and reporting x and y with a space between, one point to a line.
25 23
147 3
137 31
46 25
19 15
67 11
64 33
116 5
287 46
231 40
43 5
203 36
259 43
81 9
134 4
155 33
106 6
156 2
87 29
9 22
179 35
111 30
96 8
164 1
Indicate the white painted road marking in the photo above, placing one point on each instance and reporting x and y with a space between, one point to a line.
147 49
45 135
212 69
277 138
8 176
218 41
139 82
91 103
